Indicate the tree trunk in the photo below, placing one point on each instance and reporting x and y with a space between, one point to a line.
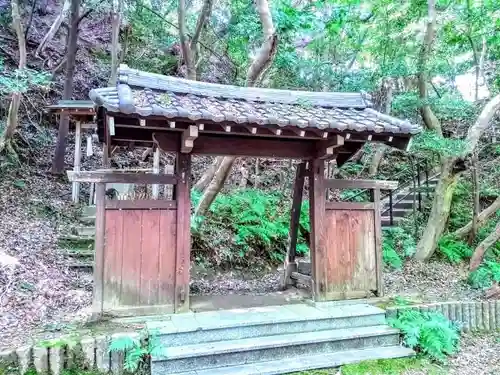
258 67
377 159
205 179
115 34
444 190
478 255
12 116
475 194
481 219
58 162
440 212
430 120
54 28
215 186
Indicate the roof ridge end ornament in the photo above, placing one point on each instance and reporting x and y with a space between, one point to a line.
367 98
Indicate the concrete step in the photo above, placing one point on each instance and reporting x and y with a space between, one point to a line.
304 363
267 348
89 220
84 231
213 326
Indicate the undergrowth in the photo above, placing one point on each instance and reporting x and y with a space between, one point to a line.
396 245
485 275
429 333
245 226
454 250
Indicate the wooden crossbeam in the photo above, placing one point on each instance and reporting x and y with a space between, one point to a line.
121 177
187 139
330 147
361 184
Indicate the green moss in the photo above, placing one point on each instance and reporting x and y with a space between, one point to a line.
391 367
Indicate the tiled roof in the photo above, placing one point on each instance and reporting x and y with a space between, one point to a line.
148 94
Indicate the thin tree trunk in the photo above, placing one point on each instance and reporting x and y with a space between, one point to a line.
12 116
481 219
58 162
479 252
440 212
258 67
54 28
205 179
475 194
115 34
430 120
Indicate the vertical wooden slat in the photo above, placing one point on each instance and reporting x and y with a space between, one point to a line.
317 214
131 270
150 246
298 190
77 162
99 246
183 171
375 193
113 257
156 170
166 257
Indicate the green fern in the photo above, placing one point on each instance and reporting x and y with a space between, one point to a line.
454 250
485 275
137 350
430 333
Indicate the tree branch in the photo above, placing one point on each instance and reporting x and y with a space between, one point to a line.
203 18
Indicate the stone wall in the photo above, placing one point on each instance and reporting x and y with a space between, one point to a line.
470 316
53 356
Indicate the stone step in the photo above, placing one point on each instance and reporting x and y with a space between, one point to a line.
89 211
266 348
89 220
213 326
304 363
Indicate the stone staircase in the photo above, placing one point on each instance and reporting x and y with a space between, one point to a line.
274 340
404 200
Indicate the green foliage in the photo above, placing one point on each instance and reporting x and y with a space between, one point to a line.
137 350
429 141
21 80
396 244
461 205
454 250
246 225
485 275
431 333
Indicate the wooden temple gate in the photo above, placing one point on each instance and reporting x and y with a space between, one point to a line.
143 247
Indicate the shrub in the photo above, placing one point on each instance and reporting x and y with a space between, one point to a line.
430 333
396 244
454 250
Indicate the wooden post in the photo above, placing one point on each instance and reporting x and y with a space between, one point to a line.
183 253
298 189
77 161
317 200
375 196
100 225
156 170
168 191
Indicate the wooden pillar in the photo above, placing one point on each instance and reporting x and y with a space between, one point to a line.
77 160
298 189
317 200
183 254
99 245
375 197
156 170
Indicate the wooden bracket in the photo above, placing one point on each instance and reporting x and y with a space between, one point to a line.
330 147
276 131
188 137
299 132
